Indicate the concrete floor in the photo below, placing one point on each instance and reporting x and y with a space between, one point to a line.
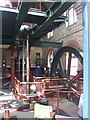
67 108
19 115
69 111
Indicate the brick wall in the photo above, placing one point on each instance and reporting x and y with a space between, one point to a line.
72 35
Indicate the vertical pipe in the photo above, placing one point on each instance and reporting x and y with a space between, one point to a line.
23 63
86 61
30 72
12 63
58 102
40 7
27 65
19 71
1 49
69 65
18 56
89 59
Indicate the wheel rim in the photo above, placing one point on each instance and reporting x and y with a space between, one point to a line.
58 62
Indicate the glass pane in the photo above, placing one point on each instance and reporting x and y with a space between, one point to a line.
71 19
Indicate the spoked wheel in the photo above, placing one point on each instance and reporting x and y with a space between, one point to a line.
67 63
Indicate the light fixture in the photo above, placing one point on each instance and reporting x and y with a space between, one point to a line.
23 27
23 31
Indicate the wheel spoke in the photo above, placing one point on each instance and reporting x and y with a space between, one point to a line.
69 65
62 69
77 76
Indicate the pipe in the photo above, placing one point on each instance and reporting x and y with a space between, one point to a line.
23 63
58 102
18 56
86 61
27 65
40 7
12 63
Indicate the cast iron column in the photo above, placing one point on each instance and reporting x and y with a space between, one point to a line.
23 63
28 65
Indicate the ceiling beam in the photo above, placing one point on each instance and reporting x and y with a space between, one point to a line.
35 15
56 10
61 19
24 7
35 43
7 42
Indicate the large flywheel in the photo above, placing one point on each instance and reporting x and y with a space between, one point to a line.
65 62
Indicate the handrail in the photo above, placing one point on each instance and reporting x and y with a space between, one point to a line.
21 87
31 82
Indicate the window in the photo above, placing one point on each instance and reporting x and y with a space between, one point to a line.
72 16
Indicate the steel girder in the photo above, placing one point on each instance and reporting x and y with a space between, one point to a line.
45 44
24 7
56 10
9 20
9 16
45 21
7 42
32 16
35 43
